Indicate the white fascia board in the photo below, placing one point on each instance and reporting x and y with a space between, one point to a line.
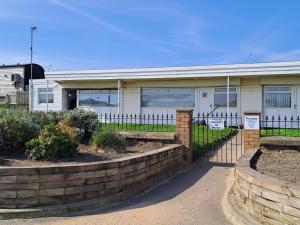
279 68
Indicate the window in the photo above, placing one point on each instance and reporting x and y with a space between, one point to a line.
96 98
168 97
278 97
43 95
220 97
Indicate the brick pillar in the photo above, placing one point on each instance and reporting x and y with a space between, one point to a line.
251 132
184 131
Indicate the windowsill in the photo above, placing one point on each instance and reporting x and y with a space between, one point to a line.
278 108
45 103
226 108
96 106
170 107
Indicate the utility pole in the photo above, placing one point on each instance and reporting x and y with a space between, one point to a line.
228 99
32 29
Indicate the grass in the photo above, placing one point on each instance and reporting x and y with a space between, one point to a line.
289 132
203 137
139 127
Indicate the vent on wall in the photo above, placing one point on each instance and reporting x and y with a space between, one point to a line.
15 78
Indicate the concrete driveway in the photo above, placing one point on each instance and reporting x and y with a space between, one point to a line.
192 197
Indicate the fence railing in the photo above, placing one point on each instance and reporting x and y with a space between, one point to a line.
15 97
280 126
206 138
138 122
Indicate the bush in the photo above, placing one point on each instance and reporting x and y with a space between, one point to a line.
71 131
54 141
4 105
43 119
15 132
68 123
84 120
107 139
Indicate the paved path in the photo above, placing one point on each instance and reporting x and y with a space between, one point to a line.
228 152
192 197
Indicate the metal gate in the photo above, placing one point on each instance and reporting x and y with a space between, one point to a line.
217 138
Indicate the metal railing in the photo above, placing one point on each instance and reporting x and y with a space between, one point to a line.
210 142
280 126
227 141
138 122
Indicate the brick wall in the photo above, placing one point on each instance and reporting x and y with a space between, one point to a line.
184 131
251 137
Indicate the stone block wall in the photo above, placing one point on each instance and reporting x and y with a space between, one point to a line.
267 199
38 186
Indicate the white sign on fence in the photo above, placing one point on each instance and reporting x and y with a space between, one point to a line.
216 123
251 122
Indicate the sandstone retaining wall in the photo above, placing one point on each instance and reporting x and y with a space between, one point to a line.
38 186
268 199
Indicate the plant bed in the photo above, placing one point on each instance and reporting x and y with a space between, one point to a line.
261 198
34 187
282 163
85 154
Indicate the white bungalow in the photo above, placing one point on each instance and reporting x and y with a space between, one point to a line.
271 88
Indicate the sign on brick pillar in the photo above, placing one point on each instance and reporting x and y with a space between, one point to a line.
184 131
251 133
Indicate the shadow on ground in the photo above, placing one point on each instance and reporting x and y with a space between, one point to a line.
192 196
164 191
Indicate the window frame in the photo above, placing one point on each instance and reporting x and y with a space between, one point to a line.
98 92
289 91
46 92
167 93
236 92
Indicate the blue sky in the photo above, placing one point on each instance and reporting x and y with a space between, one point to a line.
96 34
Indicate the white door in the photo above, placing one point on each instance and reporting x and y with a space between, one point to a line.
205 102
279 102
297 102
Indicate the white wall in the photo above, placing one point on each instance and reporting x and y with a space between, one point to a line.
58 94
6 85
131 100
250 95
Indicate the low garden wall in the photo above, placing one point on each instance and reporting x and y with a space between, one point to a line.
39 186
267 199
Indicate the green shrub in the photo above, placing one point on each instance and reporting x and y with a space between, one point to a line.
84 120
15 132
15 113
54 141
4 105
43 119
107 139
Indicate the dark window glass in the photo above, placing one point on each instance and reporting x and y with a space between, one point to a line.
220 97
98 98
43 95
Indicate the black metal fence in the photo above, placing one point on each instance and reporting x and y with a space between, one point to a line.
217 137
138 122
280 126
218 144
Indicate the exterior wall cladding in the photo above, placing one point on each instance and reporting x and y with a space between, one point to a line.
273 93
249 95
